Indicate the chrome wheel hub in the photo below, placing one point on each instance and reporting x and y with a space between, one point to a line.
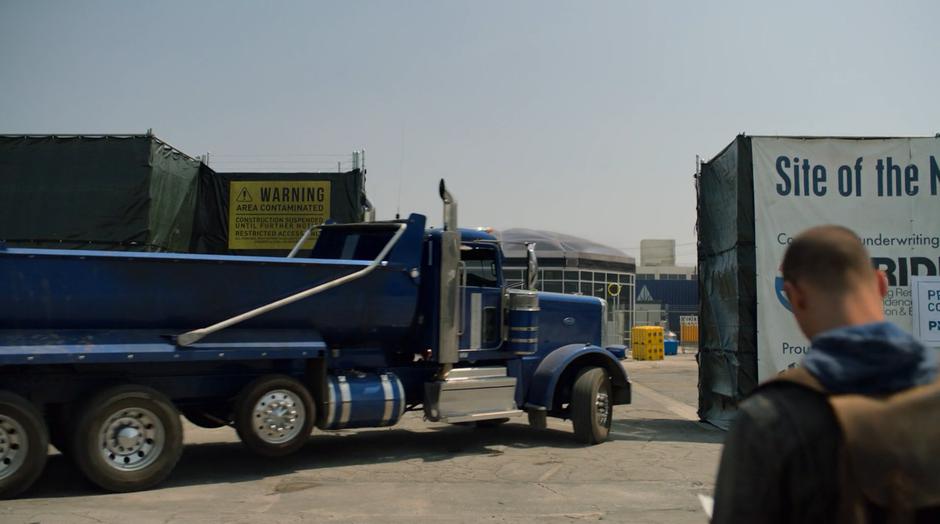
602 408
131 439
278 416
13 446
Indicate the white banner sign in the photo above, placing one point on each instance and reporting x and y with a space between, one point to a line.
926 296
886 190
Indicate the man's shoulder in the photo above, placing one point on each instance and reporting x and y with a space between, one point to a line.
780 406
778 461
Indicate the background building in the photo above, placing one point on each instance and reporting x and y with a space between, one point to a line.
568 264
664 290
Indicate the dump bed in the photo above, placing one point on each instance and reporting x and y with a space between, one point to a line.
46 290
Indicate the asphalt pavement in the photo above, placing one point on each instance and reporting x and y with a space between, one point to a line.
657 461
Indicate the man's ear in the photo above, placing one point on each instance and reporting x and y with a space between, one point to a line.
882 282
794 295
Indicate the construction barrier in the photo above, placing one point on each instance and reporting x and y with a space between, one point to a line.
688 329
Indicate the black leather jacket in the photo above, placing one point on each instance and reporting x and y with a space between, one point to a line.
779 463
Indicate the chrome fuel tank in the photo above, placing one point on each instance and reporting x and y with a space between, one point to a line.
364 400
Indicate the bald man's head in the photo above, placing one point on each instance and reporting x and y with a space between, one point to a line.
829 279
829 258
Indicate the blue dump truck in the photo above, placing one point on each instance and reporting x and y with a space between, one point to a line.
101 352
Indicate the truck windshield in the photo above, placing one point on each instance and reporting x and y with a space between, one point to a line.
480 265
351 243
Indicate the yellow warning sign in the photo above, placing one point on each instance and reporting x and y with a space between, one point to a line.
271 214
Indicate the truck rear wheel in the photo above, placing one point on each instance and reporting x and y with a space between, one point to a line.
591 407
274 415
127 438
24 444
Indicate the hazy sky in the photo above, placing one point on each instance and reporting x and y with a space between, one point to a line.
578 117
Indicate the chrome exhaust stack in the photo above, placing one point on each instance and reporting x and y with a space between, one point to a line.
450 207
449 302
461 394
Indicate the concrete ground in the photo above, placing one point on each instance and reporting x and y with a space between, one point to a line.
651 470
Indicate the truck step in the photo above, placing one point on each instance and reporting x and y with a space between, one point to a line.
469 394
482 416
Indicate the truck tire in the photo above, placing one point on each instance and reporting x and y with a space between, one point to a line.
274 415
127 438
591 408
24 444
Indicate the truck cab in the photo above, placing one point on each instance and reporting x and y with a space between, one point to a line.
545 342
491 351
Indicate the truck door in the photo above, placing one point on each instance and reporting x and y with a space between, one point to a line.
480 292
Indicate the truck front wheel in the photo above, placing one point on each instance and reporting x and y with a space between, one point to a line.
127 438
24 443
591 407
274 416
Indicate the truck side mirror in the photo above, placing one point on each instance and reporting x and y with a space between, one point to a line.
532 266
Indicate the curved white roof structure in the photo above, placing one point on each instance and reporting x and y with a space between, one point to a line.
561 250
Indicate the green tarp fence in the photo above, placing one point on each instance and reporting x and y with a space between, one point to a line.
137 193
727 354
130 192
